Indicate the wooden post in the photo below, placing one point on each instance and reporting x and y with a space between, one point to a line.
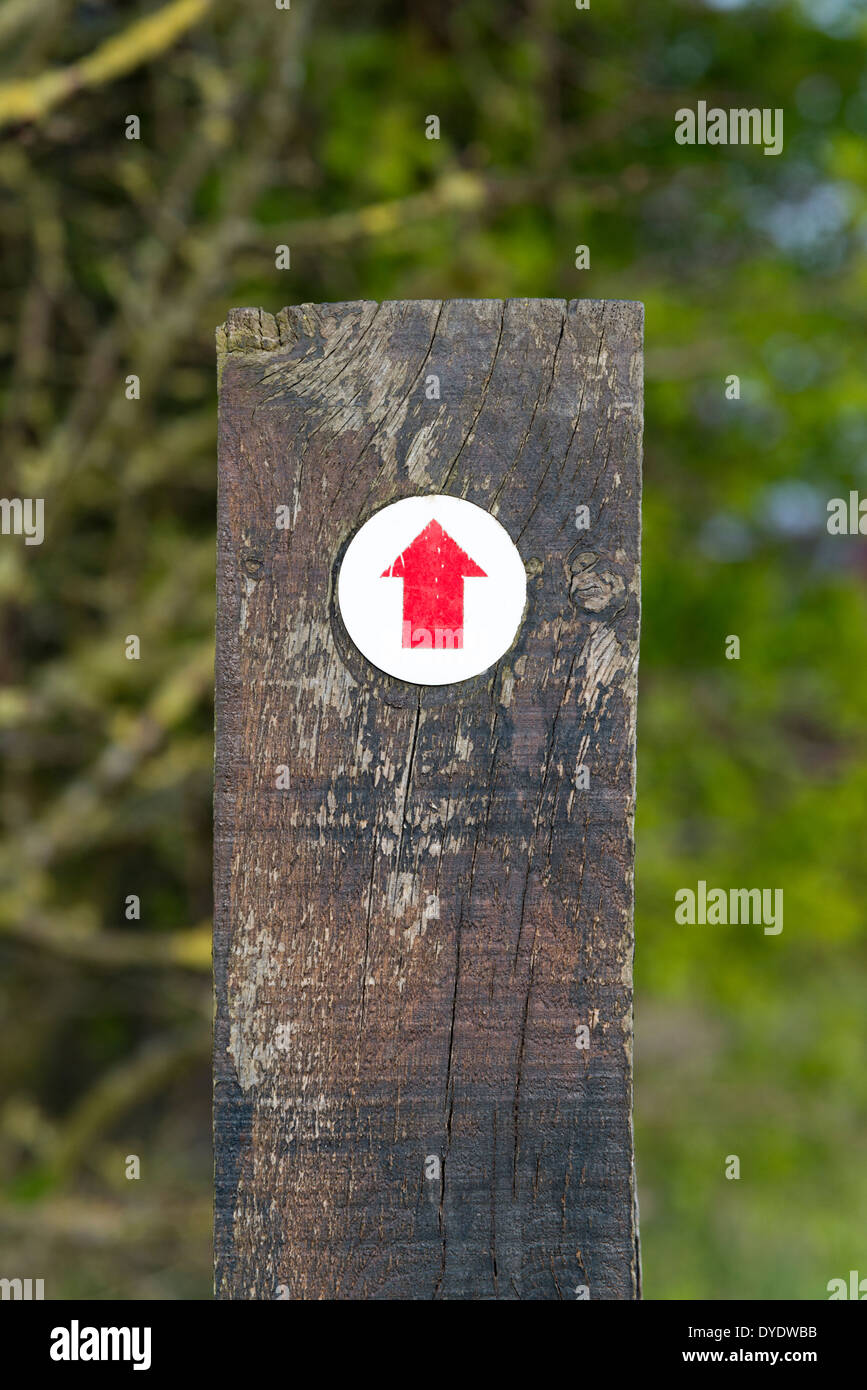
423 929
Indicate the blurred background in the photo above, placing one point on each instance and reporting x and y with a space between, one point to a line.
262 127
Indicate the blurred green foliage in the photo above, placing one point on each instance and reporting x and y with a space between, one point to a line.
306 127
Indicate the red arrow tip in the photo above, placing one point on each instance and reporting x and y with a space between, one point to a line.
432 550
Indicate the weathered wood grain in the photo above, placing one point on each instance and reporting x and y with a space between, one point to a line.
408 938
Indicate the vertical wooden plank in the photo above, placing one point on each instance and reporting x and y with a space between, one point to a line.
410 938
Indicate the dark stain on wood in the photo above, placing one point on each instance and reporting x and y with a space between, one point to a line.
409 937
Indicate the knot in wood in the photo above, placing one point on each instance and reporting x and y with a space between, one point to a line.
596 581
252 557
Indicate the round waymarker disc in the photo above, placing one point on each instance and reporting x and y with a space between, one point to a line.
432 590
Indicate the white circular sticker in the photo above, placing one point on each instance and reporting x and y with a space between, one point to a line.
432 590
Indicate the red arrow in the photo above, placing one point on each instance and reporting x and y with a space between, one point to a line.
433 569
